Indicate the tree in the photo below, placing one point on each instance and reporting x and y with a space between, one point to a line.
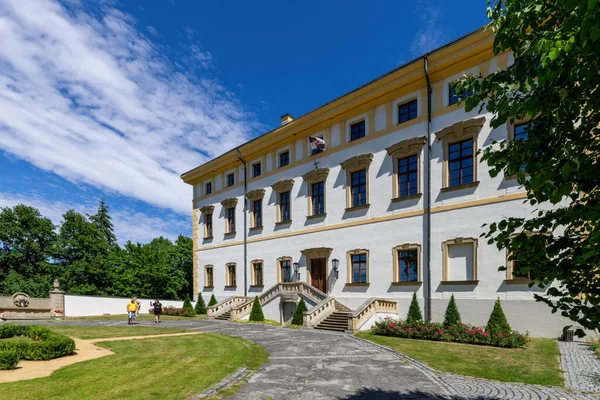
452 316
184 264
212 300
200 305
553 84
414 311
298 318
497 322
187 306
256 314
102 219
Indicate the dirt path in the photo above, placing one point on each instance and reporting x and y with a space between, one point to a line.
85 350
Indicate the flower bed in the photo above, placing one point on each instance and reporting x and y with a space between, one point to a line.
177 312
459 333
44 345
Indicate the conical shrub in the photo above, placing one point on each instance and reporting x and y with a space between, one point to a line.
297 319
200 305
414 311
187 306
212 301
498 322
257 313
452 316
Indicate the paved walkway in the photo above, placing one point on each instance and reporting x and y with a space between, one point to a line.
581 366
316 365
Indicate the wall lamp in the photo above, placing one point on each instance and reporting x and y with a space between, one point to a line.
297 271
335 263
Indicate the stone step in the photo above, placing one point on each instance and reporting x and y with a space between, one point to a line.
333 324
335 329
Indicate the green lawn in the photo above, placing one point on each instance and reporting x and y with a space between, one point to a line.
265 322
152 368
96 332
141 317
537 364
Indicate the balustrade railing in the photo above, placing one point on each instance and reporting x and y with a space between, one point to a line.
223 305
319 312
368 309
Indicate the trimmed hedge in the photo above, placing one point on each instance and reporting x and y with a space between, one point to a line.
44 345
298 317
256 314
459 333
498 322
178 312
200 305
414 311
187 306
212 301
452 316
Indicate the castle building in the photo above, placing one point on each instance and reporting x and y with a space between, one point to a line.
394 205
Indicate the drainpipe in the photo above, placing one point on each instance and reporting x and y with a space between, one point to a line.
428 197
239 156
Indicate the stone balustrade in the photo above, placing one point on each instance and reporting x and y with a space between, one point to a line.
319 312
368 309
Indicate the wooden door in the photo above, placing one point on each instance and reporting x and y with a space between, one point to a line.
318 274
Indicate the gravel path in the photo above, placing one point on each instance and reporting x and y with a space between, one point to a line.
581 366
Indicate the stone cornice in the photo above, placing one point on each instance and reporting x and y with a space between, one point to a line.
256 194
229 203
208 209
358 162
316 175
469 127
283 185
407 145
317 252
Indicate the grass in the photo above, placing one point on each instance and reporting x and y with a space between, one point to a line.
265 322
537 364
97 332
153 368
123 317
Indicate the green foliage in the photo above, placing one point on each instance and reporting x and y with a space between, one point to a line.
497 322
553 82
256 314
200 305
298 319
178 312
8 359
102 219
452 316
187 306
414 311
212 300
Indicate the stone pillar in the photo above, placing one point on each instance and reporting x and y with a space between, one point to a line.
57 300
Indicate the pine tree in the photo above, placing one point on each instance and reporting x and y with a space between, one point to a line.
257 313
102 219
298 319
452 316
187 306
414 311
212 301
497 322
200 305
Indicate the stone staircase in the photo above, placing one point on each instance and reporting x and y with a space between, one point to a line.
337 320
224 316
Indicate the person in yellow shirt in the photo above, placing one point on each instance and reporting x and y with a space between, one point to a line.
132 308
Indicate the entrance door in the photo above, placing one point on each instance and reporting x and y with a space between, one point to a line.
318 274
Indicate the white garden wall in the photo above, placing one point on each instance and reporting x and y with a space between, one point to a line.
83 306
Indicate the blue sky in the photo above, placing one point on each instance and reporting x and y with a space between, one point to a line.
116 99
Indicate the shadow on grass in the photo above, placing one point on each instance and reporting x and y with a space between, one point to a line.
379 394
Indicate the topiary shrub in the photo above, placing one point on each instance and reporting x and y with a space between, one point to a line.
414 311
44 345
298 319
452 316
212 301
8 359
200 306
497 322
187 307
257 313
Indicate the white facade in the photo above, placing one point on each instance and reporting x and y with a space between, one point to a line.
472 276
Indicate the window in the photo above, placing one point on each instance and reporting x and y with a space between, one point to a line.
408 265
357 130
285 209
257 213
286 270
208 226
231 281
521 131
230 179
208 188
314 151
408 176
454 95
358 188
208 276
284 158
460 260
359 268
517 271
318 198
230 220
460 163
256 169
257 273
407 111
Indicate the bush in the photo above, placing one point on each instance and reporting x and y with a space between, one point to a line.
178 312
212 301
414 311
298 319
497 322
452 316
187 306
44 345
459 333
257 313
200 306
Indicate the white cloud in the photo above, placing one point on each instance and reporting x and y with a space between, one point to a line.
429 36
90 98
128 224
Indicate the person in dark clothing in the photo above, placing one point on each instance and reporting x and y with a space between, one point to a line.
157 310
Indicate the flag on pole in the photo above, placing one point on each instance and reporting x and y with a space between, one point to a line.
317 143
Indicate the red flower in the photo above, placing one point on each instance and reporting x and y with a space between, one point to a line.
58 311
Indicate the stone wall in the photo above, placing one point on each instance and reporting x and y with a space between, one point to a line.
21 306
